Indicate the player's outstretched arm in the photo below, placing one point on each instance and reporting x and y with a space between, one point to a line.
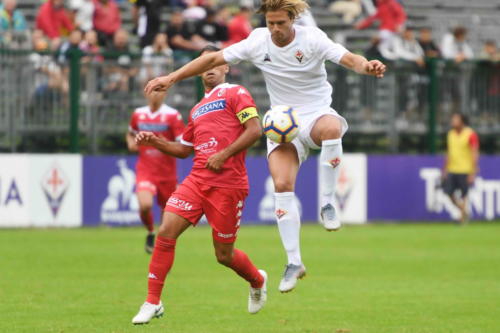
172 148
253 131
360 65
197 66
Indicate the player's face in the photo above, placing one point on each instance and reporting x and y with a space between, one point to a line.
214 76
280 25
456 121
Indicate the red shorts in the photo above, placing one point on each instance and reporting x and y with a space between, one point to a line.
222 206
162 189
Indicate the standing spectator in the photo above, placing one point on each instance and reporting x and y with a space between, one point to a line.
427 44
146 19
455 46
107 20
349 9
83 13
12 23
461 162
392 18
123 69
240 26
90 45
157 59
407 48
210 30
53 20
490 52
181 37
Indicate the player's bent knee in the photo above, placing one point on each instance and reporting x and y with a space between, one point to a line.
283 185
145 209
224 257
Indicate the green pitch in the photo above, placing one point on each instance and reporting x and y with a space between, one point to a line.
386 278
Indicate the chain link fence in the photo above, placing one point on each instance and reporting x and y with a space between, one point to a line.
35 100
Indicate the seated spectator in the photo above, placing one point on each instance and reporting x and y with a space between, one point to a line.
13 28
90 45
83 14
53 20
490 52
122 68
181 36
193 12
427 44
210 30
455 47
157 59
107 20
146 19
240 26
349 9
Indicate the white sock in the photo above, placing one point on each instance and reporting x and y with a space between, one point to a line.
331 155
288 218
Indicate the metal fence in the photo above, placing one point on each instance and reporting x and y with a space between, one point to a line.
36 96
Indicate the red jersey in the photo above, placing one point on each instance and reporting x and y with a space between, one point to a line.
215 123
165 122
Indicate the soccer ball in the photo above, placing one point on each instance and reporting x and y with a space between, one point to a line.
280 124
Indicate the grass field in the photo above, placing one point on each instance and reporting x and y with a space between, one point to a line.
385 278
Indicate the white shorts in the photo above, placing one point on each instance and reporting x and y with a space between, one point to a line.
303 142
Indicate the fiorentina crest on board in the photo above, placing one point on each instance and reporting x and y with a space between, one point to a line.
55 184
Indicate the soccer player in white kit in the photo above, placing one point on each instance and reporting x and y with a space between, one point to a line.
292 60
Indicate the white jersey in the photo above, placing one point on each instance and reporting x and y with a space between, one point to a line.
295 75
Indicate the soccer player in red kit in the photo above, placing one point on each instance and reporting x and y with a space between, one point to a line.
156 172
220 129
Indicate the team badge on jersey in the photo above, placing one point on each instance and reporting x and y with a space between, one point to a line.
299 56
267 58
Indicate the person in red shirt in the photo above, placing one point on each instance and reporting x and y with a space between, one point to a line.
240 26
107 20
220 129
53 20
156 173
392 18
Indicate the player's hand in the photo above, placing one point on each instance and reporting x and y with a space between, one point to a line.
216 161
471 178
162 83
375 68
145 138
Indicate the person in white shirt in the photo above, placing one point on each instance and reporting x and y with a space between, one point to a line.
292 60
455 47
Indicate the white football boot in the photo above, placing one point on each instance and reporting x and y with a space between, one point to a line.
147 312
330 218
258 296
290 276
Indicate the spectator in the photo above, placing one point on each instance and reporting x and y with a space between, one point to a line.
181 37
210 30
240 26
349 9
146 19
455 46
13 26
490 52
392 18
73 43
83 13
193 12
157 59
306 19
107 20
90 45
122 70
427 44
53 21
407 48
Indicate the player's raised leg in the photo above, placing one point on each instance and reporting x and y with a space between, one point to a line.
327 133
145 199
239 262
161 262
284 166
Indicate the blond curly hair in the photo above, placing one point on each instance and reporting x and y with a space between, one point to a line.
293 7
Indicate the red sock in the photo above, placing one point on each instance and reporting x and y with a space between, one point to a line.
148 220
161 262
242 265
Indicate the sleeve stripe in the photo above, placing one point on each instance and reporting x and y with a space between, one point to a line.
186 143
